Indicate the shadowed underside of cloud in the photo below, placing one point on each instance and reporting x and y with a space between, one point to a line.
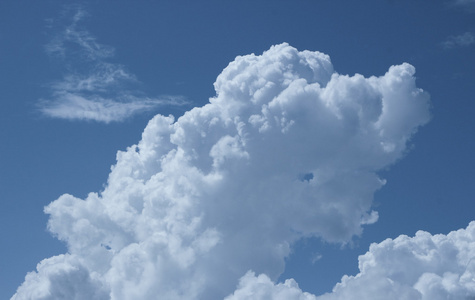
286 149
93 88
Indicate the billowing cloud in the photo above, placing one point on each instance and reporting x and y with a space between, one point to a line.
93 89
262 288
63 277
424 267
287 148
462 40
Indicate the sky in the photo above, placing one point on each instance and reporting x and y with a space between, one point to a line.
237 149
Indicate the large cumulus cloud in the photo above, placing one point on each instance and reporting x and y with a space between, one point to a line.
424 267
287 148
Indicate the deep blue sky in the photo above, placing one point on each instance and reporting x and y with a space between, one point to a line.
178 48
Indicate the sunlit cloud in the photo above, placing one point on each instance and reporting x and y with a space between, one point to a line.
287 149
423 267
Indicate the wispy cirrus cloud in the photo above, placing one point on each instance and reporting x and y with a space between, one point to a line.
462 40
93 88
464 2
73 34
469 5
74 106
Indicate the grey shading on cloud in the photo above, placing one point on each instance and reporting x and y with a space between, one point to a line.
423 267
462 40
93 88
287 149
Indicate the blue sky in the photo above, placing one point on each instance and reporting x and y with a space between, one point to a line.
126 62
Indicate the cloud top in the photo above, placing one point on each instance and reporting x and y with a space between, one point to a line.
287 148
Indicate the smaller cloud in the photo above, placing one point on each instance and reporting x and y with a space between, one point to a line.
423 267
468 5
464 2
461 40
93 88
316 257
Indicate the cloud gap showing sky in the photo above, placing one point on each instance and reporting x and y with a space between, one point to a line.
93 88
208 206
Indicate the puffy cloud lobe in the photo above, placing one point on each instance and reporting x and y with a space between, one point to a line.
62 277
425 267
287 148
261 288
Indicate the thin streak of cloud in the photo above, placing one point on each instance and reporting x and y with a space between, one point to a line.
103 92
462 40
76 107
468 5
74 34
100 80
464 2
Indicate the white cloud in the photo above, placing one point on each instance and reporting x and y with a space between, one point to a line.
74 40
260 287
462 40
77 107
287 149
93 88
427 267
316 257
424 267
62 277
